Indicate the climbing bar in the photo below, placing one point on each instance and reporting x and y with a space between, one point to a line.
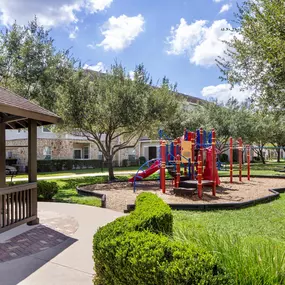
214 170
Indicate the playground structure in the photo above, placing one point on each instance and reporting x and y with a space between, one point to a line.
195 155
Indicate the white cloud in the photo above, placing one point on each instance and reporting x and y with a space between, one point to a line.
99 67
98 5
225 8
223 92
73 33
50 13
120 32
202 43
185 37
218 1
132 74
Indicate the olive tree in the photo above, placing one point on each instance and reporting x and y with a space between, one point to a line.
114 111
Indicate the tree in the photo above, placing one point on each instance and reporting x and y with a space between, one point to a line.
278 138
256 55
262 133
114 111
229 120
30 64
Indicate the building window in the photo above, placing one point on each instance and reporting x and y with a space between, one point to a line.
86 152
46 130
77 153
47 152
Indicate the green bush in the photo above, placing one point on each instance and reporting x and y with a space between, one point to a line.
224 157
137 249
67 164
46 190
142 160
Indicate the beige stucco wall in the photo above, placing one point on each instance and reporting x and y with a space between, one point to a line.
60 149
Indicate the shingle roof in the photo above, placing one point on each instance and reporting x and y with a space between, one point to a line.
14 105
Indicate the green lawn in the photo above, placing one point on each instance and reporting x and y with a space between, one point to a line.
270 168
79 171
250 243
67 190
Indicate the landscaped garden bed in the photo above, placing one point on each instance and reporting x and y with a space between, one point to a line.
120 194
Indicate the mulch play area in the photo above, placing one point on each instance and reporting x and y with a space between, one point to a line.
120 194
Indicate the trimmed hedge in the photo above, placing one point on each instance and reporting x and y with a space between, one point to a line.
137 249
67 164
46 190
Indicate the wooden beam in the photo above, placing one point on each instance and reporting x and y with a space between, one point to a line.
10 119
28 114
2 156
32 167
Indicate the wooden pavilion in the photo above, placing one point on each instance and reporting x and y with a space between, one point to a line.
18 204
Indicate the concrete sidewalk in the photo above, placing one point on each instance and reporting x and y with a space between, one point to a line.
71 261
76 176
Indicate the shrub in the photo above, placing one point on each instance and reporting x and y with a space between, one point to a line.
46 190
224 157
67 164
142 160
136 249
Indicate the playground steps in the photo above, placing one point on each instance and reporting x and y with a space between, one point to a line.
194 183
184 191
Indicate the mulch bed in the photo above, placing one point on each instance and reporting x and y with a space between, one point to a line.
120 194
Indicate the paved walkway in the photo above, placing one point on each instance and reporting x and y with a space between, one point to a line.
56 252
75 175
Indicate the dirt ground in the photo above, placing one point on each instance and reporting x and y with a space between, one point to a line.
119 194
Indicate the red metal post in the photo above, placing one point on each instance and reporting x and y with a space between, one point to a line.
240 158
214 162
231 160
201 147
248 162
178 146
163 165
200 189
193 155
177 180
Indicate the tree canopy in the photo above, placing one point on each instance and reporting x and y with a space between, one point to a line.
255 58
114 111
30 65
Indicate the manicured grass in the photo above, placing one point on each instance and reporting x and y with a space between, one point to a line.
79 171
67 190
250 243
270 168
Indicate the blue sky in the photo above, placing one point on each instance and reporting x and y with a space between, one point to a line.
176 38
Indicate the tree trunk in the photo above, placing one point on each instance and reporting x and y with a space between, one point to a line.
110 168
262 157
278 154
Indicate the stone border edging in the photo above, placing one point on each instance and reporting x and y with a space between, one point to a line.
222 206
85 192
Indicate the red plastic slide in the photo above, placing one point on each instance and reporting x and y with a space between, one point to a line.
145 173
208 171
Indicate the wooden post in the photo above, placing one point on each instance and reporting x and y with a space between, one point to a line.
200 189
248 163
2 156
214 166
177 180
231 160
163 165
32 167
240 158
